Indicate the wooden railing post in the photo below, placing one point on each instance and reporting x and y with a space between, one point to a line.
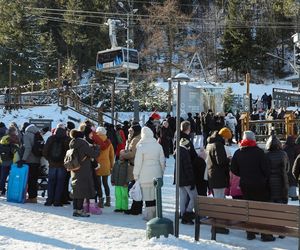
100 116
289 124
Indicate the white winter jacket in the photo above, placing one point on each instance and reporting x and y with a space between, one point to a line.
149 162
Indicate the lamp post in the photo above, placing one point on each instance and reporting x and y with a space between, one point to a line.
179 77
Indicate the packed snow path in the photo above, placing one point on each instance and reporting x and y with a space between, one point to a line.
34 226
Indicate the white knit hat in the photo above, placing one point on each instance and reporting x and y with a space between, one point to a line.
101 130
61 125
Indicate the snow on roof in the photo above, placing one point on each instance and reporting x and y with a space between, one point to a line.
239 88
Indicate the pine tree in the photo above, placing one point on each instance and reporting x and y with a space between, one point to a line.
228 99
18 41
237 42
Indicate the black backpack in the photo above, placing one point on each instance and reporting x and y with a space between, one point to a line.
6 152
56 151
38 145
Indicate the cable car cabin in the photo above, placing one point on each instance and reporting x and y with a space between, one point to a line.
115 60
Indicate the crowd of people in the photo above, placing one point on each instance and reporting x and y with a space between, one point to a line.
129 153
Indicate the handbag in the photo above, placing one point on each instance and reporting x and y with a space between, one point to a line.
135 192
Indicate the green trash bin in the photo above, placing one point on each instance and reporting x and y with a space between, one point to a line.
159 226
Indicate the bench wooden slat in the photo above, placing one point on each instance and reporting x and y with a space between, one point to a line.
262 217
273 222
224 209
220 215
274 207
273 215
276 230
218 201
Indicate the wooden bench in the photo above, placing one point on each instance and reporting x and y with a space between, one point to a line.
253 216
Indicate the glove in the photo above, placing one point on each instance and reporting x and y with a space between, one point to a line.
192 187
20 163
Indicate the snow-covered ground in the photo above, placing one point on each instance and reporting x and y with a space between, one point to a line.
34 226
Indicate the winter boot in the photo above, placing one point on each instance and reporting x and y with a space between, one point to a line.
107 202
101 203
80 213
222 230
31 200
267 237
136 208
250 236
187 219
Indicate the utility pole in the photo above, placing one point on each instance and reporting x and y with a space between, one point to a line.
113 101
170 96
248 95
92 93
10 83
58 73
127 43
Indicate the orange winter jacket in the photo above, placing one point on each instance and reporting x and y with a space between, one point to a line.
106 158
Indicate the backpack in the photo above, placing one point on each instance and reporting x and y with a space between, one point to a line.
71 161
119 137
6 153
56 152
38 145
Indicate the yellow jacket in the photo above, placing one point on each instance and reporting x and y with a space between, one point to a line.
106 158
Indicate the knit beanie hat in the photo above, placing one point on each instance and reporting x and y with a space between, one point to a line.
87 131
249 135
60 125
101 130
136 128
12 130
70 125
225 133
74 133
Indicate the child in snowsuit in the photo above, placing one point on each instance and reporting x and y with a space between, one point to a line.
119 179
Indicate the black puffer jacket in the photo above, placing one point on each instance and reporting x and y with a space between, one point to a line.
290 149
279 165
217 162
249 162
192 150
186 174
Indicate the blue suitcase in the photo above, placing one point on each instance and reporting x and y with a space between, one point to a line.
17 182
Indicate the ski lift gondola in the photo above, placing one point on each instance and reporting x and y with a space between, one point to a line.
115 60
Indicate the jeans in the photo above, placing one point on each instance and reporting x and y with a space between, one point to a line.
185 193
4 173
33 179
219 192
56 181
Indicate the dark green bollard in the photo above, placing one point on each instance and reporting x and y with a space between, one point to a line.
159 226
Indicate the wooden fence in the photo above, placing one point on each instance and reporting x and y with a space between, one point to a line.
282 128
